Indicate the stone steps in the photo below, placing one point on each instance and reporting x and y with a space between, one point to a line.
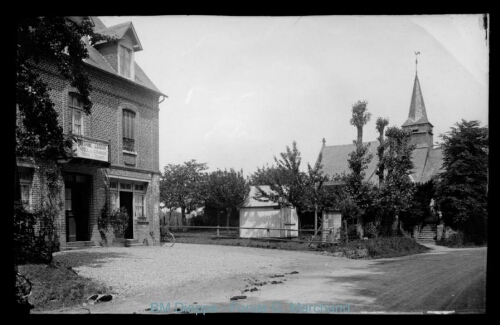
427 234
78 245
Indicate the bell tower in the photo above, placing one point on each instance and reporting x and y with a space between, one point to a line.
417 123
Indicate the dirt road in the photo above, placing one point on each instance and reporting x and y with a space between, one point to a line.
204 278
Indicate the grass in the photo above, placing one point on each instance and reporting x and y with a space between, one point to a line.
458 240
377 247
57 285
384 247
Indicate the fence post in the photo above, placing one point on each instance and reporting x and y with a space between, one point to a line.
217 231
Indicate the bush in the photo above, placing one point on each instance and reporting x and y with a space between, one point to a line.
117 220
460 239
382 247
34 245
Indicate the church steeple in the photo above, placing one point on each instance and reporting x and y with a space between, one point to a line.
417 122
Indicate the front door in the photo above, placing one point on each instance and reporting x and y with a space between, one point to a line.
126 201
77 197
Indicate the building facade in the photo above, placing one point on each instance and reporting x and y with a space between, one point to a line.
116 157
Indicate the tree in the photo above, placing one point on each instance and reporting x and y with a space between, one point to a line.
289 186
59 42
48 40
381 124
358 162
225 190
396 192
461 189
180 186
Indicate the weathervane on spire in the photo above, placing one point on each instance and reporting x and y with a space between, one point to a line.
416 61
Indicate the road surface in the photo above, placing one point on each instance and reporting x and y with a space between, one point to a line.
204 278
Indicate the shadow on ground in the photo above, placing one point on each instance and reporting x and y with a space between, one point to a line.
89 258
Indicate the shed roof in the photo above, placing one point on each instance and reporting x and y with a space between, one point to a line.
251 202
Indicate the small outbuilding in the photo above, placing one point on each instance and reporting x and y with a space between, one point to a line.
277 222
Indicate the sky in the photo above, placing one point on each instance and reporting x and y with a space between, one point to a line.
242 89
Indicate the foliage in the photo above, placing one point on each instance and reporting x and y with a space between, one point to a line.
395 194
117 220
461 189
360 116
455 240
381 124
225 190
60 41
289 186
38 135
181 186
420 207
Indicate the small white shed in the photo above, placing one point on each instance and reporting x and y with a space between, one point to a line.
256 214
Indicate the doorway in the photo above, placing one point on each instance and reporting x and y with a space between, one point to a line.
126 201
77 199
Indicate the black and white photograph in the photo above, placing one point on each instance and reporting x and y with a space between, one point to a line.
206 165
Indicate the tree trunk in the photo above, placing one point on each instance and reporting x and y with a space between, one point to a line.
359 142
183 218
227 220
359 228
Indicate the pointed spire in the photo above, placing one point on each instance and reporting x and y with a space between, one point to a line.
417 107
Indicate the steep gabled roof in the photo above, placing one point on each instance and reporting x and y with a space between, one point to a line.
119 31
97 60
427 162
417 114
334 159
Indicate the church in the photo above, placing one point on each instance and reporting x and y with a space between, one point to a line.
427 158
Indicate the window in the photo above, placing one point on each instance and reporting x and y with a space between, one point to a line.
67 197
25 195
128 130
76 108
25 180
113 201
139 205
126 186
125 60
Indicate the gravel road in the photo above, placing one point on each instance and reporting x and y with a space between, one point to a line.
129 270
190 274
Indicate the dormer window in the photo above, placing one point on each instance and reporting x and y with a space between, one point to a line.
125 62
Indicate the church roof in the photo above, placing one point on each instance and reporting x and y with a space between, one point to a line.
334 159
427 161
417 114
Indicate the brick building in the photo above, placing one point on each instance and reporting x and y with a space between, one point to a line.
117 156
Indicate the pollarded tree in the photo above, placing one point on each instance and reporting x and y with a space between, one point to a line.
461 189
225 190
381 124
181 186
358 161
396 192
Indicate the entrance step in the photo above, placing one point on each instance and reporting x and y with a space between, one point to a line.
132 242
78 245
